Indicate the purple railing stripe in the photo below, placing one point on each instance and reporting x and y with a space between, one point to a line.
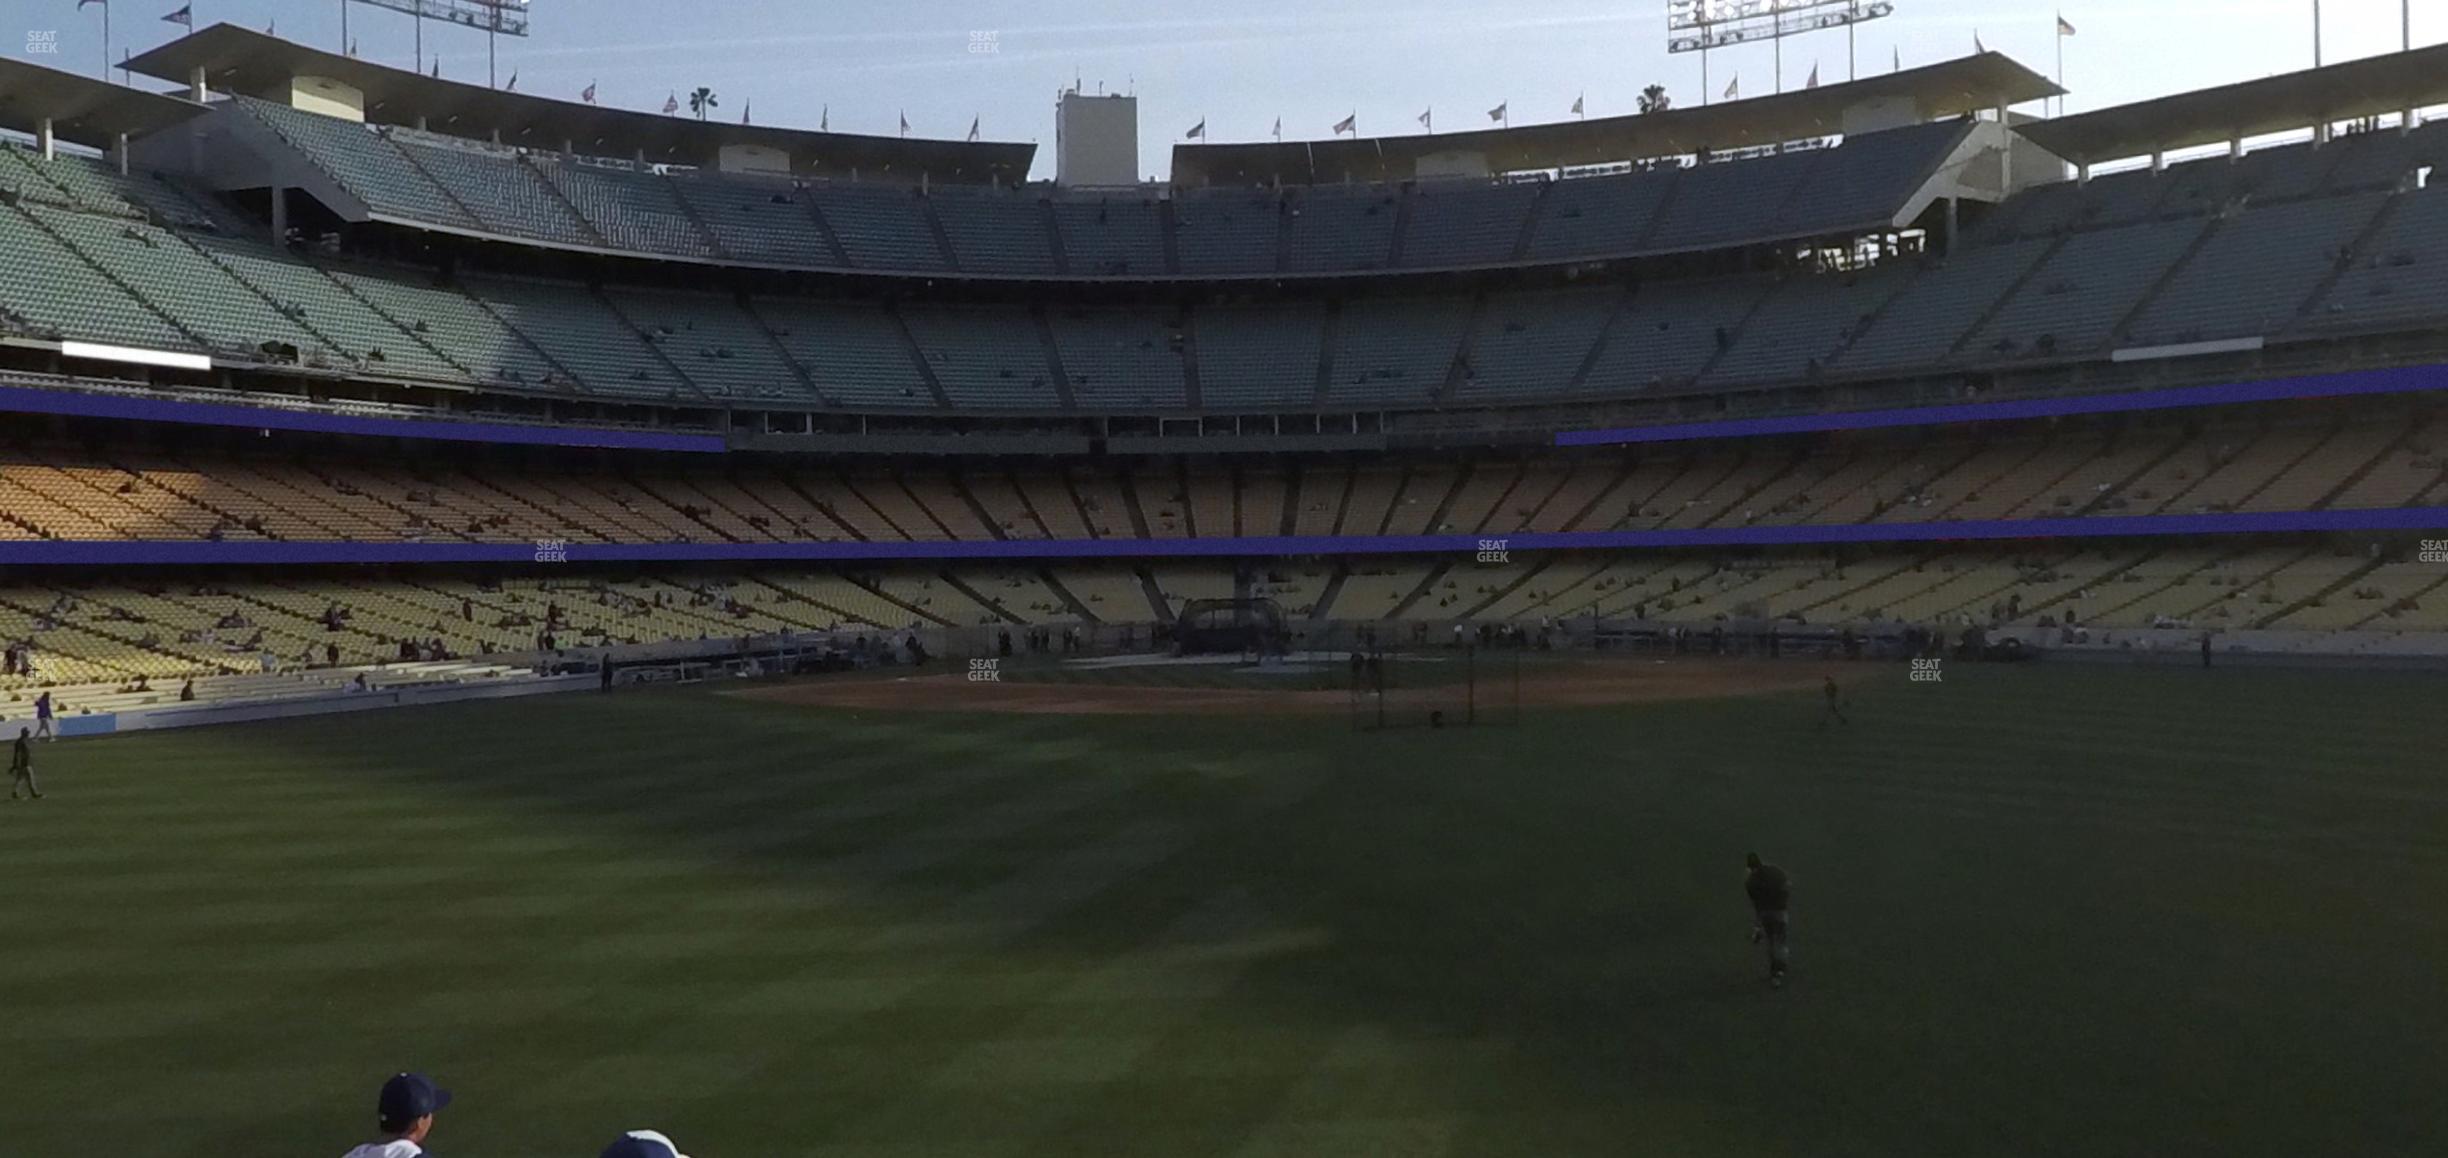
2396 380
197 552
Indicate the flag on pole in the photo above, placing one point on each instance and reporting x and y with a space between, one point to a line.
973 128
1350 124
1278 128
1427 119
82 3
905 124
352 46
1577 103
513 85
824 120
1198 132
1734 87
271 27
1813 82
671 104
589 95
744 107
2063 28
185 16
1498 113
437 68
1977 46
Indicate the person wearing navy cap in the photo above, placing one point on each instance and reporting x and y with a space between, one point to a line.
405 1113
643 1144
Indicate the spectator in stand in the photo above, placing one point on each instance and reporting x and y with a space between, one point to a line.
404 1112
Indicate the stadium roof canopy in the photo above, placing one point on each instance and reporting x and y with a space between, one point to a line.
2295 100
240 60
80 108
1986 81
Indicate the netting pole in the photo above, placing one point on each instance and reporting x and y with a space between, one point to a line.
1380 681
1470 685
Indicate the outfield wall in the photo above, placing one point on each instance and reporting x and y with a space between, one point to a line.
197 715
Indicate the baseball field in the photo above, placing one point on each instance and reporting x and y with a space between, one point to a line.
2038 910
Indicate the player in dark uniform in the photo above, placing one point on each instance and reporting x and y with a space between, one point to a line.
1835 710
21 766
1770 891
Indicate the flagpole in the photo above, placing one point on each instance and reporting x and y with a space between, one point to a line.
420 38
344 27
1855 9
2061 64
1705 87
106 41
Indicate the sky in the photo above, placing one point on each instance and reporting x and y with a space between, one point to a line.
1239 64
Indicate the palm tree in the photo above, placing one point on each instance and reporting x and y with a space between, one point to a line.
702 101
1653 99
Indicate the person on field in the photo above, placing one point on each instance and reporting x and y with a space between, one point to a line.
643 1144
21 766
1770 891
404 1112
1835 708
42 717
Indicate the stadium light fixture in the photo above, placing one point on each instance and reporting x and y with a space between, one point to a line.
1707 24
491 17
1702 25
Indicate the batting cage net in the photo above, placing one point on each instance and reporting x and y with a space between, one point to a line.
1251 627
1455 688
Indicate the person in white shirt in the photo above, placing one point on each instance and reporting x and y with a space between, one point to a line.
405 1114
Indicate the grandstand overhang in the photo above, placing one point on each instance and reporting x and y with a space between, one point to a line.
81 109
226 58
1985 82
2370 87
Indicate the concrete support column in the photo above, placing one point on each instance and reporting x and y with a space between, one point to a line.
119 153
280 213
2235 148
195 84
2082 173
2006 154
420 122
43 140
2158 161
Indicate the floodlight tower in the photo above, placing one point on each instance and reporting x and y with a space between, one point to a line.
495 17
1700 25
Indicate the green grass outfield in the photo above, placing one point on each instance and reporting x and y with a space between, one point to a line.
2039 911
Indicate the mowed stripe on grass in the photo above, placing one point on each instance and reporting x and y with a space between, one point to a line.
2038 911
